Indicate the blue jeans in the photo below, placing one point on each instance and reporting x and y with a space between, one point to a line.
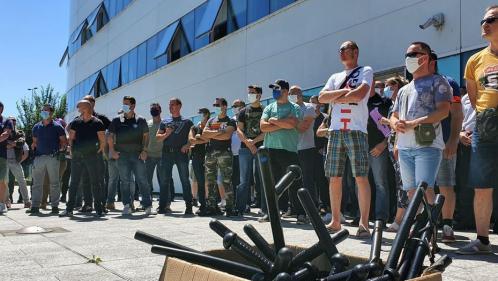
246 164
181 161
379 166
128 164
113 180
419 165
151 164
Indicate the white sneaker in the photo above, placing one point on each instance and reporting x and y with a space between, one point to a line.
3 208
126 210
475 247
448 234
223 203
149 211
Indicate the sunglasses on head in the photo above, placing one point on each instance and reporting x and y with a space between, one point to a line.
489 20
414 54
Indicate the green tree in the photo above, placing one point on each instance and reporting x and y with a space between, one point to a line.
29 108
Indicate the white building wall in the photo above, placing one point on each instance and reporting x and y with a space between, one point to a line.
298 43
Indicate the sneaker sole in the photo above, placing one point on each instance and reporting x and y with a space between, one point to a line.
474 253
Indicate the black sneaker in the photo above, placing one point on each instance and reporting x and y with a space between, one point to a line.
188 210
86 209
195 203
55 210
99 214
264 218
232 213
66 213
33 211
302 219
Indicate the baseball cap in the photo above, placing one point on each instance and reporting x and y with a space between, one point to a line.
280 83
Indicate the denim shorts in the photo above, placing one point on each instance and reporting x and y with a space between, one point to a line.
4 174
483 163
419 165
446 174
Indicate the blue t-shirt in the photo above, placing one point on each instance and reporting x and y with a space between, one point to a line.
446 122
417 99
47 137
179 136
5 124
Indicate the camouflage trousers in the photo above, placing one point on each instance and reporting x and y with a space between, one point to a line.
221 160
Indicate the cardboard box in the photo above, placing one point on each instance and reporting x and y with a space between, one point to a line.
179 270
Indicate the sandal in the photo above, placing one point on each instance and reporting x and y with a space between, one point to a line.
332 230
362 233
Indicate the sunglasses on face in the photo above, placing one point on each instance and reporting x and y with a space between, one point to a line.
489 20
414 54
343 49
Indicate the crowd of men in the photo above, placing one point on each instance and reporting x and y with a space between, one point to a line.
413 131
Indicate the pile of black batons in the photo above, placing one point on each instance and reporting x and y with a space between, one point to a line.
414 241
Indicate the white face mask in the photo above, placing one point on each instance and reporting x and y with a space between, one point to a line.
251 98
412 64
293 98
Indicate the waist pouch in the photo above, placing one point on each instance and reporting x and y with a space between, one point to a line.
487 125
425 134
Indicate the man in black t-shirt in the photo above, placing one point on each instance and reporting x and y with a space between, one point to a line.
173 132
219 131
128 140
86 143
198 154
321 145
251 138
378 156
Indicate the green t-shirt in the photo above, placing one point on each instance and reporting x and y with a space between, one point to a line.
155 148
284 138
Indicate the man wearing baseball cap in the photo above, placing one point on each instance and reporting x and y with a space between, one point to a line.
279 121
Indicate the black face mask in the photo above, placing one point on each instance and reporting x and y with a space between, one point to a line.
155 112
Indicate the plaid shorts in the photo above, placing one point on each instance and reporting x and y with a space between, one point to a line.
354 145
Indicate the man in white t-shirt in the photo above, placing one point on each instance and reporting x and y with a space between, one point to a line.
347 92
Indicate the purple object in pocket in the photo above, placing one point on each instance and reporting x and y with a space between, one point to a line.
376 116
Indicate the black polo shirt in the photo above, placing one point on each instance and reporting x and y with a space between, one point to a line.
129 133
5 124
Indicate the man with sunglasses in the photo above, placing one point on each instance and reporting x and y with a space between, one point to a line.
348 93
420 107
219 131
481 75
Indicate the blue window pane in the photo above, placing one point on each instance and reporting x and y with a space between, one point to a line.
116 74
279 4
110 8
119 6
142 60
207 21
257 9
239 12
165 37
450 66
126 3
201 41
188 24
124 69
132 65
151 51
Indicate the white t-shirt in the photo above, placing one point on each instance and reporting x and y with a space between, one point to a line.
307 138
352 117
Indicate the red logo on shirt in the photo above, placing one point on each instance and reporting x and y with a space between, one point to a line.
345 121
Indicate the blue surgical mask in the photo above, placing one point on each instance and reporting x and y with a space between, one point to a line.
126 108
388 93
277 94
45 115
217 110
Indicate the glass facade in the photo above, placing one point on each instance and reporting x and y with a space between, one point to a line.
205 24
